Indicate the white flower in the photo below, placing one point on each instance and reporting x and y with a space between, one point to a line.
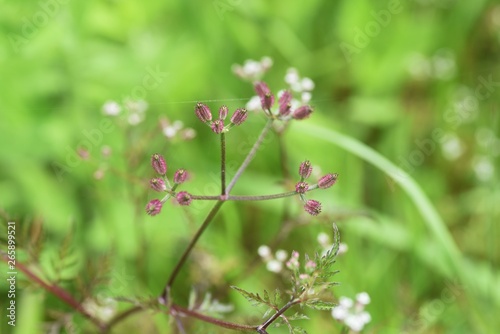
484 169
264 251
343 248
323 239
339 312
135 118
111 108
281 255
306 97
353 315
452 147
253 104
363 298
292 76
307 84
274 266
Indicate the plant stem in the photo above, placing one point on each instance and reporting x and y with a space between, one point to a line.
250 198
57 291
262 328
250 155
223 163
221 323
188 250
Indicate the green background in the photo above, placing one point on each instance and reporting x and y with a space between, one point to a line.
411 91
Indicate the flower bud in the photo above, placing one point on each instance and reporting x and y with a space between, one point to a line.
313 207
301 187
239 116
223 112
305 169
158 163
180 176
327 181
184 198
266 97
203 112
285 103
158 184
302 112
217 126
154 207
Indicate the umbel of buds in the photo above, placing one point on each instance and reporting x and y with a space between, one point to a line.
285 103
301 187
217 126
158 184
302 112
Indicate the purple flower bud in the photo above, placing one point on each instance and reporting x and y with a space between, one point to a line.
203 112
223 112
305 169
239 116
302 112
159 164
285 103
158 184
327 181
301 187
217 126
184 198
313 207
266 97
180 176
154 207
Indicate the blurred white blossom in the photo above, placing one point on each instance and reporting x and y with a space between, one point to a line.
111 108
351 313
452 147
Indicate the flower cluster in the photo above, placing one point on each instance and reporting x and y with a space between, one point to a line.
311 206
294 265
351 313
205 115
288 106
162 184
176 129
253 70
274 263
134 110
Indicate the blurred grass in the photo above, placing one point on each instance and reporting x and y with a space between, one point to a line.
405 250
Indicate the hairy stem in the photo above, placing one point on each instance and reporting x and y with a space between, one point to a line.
268 322
223 163
176 309
189 248
250 198
250 155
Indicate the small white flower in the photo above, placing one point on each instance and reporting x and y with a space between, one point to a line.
323 239
352 321
281 255
363 298
292 76
253 104
452 147
346 302
343 248
264 251
169 131
306 97
135 118
111 108
266 62
339 312
274 266
484 169
307 84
